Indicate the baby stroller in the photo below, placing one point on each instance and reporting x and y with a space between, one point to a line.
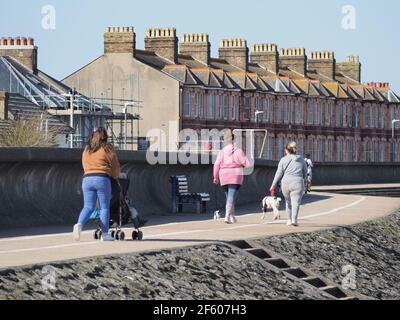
121 213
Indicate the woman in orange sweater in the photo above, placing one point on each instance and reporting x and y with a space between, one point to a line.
100 164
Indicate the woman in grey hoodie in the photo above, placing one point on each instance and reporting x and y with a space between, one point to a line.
292 170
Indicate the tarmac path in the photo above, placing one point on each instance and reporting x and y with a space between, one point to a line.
319 211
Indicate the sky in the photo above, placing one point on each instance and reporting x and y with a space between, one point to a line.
71 34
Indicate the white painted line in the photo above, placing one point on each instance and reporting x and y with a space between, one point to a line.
49 247
191 231
68 234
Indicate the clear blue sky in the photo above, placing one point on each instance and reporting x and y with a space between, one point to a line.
313 24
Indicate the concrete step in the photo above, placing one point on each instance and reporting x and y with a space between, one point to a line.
241 244
279 263
334 291
297 272
315 281
259 253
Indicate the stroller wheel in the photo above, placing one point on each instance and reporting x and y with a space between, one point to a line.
134 235
97 235
140 235
121 235
113 234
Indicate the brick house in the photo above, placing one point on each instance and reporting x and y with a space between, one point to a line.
309 98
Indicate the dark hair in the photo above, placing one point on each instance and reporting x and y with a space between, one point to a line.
308 155
98 139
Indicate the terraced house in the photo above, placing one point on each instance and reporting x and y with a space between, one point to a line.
309 98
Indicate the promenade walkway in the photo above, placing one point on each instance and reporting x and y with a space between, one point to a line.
320 211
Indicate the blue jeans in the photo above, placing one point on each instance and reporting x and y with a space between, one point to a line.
96 188
231 193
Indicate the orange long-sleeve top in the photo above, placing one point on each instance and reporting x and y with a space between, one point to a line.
102 162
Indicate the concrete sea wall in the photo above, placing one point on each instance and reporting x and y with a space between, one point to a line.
43 186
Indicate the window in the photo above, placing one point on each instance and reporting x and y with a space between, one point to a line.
186 110
297 111
311 148
349 150
392 152
280 147
381 118
366 115
235 107
226 107
310 111
330 150
196 106
301 147
247 108
219 109
267 110
398 152
319 110
367 151
340 115
281 111
391 114
211 107
292 111
340 150
270 148
357 116
319 150
350 117
201 106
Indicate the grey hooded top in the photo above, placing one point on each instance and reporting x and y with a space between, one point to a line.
291 167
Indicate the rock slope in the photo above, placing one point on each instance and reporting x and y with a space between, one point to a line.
371 250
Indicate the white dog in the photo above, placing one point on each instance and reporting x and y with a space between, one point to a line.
271 203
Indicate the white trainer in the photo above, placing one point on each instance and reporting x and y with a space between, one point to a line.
77 232
295 224
289 223
106 237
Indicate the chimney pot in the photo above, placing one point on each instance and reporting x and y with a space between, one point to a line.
164 42
18 49
295 59
120 40
266 55
350 68
197 45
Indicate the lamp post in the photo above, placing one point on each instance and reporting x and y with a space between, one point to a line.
256 114
394 121
125 111
71 97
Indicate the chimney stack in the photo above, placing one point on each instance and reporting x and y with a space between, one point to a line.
235 52
351 68
266 55
323 62
120 40
163 42
3 105
21 49
197 45
295 59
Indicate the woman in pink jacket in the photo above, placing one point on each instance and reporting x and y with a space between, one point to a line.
228 171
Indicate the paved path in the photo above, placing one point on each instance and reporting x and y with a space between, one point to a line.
320 211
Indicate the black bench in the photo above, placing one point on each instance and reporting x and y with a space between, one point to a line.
181 195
